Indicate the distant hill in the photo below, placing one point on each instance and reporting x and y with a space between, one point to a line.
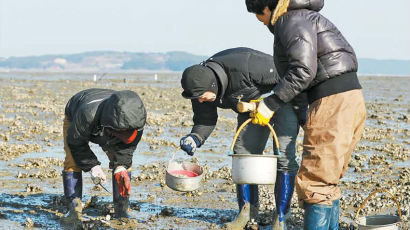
170 61
104 61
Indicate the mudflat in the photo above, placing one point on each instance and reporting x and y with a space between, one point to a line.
32 155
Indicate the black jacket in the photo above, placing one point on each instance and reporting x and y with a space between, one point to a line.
92 110
309 50
243 74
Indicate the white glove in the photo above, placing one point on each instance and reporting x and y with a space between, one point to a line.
97 175
119 169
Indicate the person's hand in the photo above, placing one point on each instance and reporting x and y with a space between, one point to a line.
189 144
97 175
123 181
262 114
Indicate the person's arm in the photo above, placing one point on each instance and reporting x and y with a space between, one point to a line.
299 37
205 118
77 139
123 152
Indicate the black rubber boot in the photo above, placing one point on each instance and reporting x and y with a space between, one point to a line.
120 203
73 191
254 201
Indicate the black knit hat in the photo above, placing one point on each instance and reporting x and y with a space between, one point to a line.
198 79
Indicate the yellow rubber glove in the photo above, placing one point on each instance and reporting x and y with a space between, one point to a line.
262 115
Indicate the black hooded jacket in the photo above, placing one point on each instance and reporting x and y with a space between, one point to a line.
310 53
92 110
244 74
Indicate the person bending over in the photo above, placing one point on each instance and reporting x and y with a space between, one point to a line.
112 119
220 82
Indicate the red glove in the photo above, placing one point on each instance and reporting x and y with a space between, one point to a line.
123 181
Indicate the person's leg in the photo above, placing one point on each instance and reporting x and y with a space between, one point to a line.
334 216
243 198
69 163
358 125
72 182
317 216
333 128
120 203
286 126
252 140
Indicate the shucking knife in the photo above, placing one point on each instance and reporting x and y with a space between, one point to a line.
97 181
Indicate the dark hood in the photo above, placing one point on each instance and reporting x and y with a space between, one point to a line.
123 110
315 5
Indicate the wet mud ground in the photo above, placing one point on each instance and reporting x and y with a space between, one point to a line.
31 157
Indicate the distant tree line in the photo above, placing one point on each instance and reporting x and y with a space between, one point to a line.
174 61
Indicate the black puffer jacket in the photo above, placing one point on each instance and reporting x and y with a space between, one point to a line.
309 50
92 110
246 74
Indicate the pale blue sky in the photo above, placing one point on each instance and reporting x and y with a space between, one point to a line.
34 27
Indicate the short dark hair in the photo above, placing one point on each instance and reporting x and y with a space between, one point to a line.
257 6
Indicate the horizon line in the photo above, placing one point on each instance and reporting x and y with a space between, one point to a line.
157 52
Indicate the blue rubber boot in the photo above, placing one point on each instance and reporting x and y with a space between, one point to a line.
120 203
243 193
317 216
284 187
73 191
334 217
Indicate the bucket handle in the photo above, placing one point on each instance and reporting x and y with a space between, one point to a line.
372 194
173 154
276 150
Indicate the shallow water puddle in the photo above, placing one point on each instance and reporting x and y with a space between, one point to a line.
46 210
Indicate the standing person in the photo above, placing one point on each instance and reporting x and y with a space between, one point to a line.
220 82
312 55
115 121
